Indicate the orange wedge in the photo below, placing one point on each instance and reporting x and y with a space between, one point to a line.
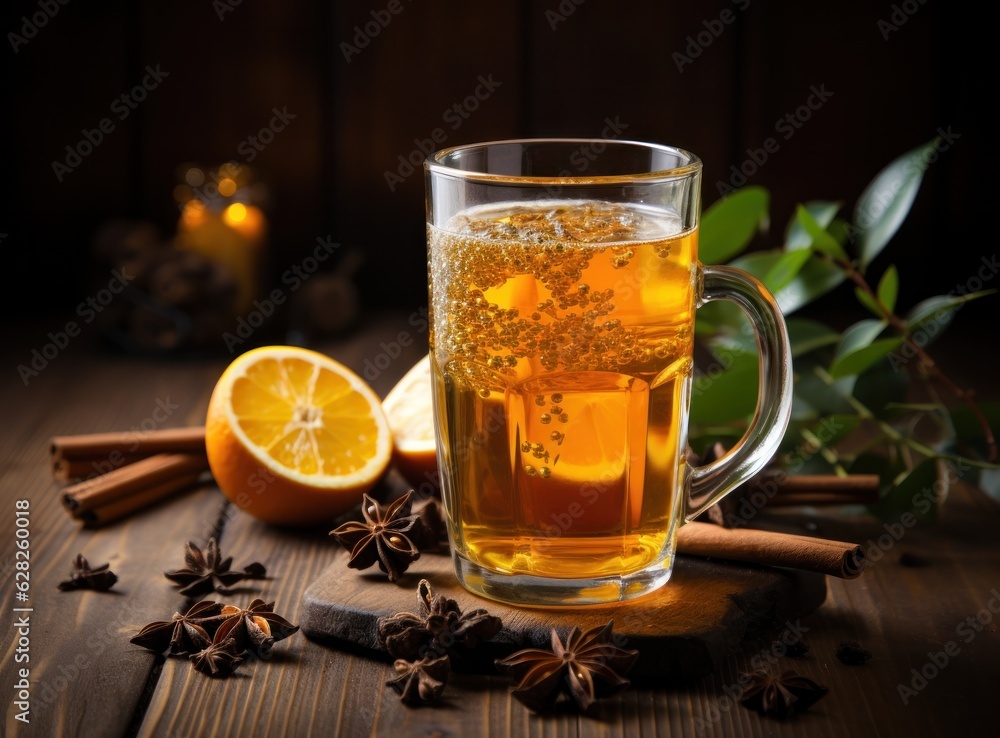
293 437
409 409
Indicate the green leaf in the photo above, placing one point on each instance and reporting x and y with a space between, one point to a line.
865 299
920 407
915 493
821 240
810 391
808 335
885 203
940 309
730 224
816 278
822 212
785 269
718 398
859 335
888 288
858 361
880 385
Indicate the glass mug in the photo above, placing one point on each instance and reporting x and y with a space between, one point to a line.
563 282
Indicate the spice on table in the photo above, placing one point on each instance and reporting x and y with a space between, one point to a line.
440 628
87 454
434 538
588 666
420 682
386 537
852 653
184 634
82 576
779 696
199 577
218 659
255 628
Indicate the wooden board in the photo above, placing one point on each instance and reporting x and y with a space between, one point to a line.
691 624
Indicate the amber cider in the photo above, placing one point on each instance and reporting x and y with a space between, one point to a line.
561 351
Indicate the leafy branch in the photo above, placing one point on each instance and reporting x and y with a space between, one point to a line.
848 385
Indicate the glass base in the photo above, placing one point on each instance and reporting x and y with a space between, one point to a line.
532 591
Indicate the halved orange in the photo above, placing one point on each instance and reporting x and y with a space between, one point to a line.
293 437
409 408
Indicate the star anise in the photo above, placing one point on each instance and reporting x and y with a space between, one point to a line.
203 569
83 577
218 659
420 682
440 628
185 634
434 538
796 648
589 666
852 653
780 696
255 628
385 537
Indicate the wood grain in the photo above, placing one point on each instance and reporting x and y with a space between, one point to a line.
899 613
86 678
693 623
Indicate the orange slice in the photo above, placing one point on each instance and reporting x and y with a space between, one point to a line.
293 437
409 409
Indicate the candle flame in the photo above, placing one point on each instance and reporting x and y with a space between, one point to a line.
235 213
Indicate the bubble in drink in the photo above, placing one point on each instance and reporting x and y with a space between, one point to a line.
575 315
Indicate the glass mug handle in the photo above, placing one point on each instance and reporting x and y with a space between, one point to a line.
712 482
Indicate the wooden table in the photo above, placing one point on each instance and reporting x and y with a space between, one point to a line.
87 680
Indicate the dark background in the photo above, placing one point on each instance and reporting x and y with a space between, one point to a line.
604 60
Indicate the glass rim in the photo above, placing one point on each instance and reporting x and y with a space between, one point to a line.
432 164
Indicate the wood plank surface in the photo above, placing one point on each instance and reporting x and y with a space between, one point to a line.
899 613
86 678
693 624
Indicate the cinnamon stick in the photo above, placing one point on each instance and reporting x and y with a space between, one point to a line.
65 470
139 444
112 511
834 558
130 481
827 489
